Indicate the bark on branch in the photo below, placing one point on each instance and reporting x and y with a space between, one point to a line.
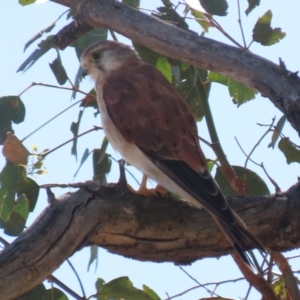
281 86
155 229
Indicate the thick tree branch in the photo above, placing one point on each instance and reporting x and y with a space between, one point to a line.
155 229
273 81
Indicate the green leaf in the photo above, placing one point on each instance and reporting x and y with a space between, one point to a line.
146 54
163 65
21 206
91 37
122 288
38 293
42 31
78 79
253 183
251 5
85 155
17 220
279 287
10 176
133 3
292 153
171 15
75 129
202 19
31 189
43 47
216 77
12 109
59 70
89 101
99 283
26 2
15 225
211 164
93 256
240 93
264 34
101 162
150 293
277 131
215 7
55 294
192 89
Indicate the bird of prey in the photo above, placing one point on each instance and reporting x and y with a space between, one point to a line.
150 125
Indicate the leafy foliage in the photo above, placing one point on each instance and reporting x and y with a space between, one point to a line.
42 31
215 7
12 109
252 5
239 93
101 162
59 70
253 183
134 3
40 292
14 183
202 19
95 35
278 128
43 47
26 2
264 34
122 288
75 130
167 13
290 151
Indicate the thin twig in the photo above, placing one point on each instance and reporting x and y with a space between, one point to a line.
70 140
182 293
113 35
219 27
199 284
240 23
256 145
65 287
78 278
277 188
47 122
55 87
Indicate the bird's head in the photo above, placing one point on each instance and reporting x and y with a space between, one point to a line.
106 56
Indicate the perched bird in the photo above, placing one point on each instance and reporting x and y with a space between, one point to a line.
150 125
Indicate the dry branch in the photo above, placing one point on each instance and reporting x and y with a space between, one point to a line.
143 228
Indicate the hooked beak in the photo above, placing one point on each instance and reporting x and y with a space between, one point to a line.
84 73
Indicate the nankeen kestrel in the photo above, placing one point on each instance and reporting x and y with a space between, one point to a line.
151 126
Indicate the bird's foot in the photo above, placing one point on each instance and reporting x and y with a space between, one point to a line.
144 191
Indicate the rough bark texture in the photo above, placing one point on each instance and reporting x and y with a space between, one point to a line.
281 86
154 228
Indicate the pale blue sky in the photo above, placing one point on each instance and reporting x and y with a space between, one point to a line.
18 24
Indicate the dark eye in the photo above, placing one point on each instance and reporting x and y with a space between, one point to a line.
96 56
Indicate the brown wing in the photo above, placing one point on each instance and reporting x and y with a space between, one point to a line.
156 117
149 112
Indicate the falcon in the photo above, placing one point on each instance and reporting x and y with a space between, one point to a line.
150 125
